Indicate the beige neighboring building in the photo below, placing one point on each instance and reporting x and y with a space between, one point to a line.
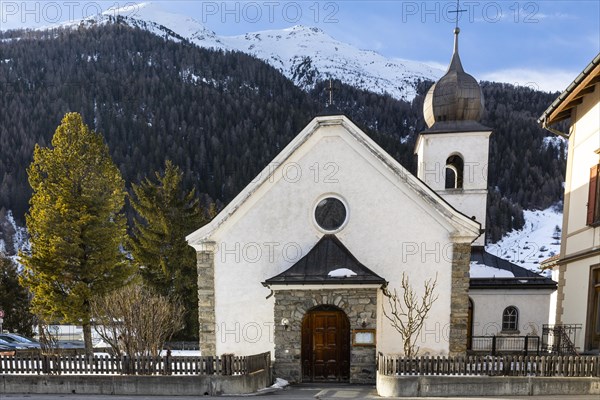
578 268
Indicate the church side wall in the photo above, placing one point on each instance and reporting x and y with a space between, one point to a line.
533 306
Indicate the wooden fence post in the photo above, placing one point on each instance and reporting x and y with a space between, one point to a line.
46 365
210 369
167 363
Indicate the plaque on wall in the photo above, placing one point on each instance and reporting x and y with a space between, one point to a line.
363 337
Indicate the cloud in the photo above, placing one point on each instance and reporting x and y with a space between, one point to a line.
437 65
550 80
556 16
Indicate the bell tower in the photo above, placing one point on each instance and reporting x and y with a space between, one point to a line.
453 151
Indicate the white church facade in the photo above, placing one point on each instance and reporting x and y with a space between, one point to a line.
298 262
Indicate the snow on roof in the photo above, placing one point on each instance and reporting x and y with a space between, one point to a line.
483 271
341 273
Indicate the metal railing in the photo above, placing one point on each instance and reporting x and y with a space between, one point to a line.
498 344
560 339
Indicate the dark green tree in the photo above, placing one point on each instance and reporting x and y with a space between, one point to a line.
165 214
76 226
14 299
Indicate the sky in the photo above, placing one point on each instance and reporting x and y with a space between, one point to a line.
539 44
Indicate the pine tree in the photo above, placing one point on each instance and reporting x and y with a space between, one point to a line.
76 226
14 299
165 214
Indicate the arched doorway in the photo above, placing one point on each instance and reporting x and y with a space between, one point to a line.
325 345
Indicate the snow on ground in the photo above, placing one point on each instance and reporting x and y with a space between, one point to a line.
539 239
182 353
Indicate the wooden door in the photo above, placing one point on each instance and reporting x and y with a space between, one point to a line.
325 346
593 320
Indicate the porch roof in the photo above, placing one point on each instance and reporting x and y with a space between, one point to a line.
326 263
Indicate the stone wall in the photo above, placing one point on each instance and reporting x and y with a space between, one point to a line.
358 304
560 296
485 386
459 299
206 302
123 385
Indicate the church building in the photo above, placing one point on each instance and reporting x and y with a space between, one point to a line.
299 263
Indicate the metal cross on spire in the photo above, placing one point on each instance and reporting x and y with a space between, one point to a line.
457 12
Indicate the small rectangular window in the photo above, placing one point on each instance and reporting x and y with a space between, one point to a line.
593 207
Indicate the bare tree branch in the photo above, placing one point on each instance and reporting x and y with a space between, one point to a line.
408 312
135 321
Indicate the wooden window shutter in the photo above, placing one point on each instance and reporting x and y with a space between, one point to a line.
593 195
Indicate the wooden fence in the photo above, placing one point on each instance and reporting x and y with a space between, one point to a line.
563 366
33 364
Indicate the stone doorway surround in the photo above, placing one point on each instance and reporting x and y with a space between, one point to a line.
291 305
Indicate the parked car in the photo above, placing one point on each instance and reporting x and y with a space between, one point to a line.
13 346
70 344
6 348
19 340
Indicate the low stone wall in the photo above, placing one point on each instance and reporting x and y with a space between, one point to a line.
135 385
470 386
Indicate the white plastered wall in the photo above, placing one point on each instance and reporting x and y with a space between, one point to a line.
488 305
584 144
434 149
390 230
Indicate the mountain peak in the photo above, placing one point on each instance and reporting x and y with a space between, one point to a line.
304 54
304 28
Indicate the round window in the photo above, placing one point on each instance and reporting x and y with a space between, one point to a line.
330 214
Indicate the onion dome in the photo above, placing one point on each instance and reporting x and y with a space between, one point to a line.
455 98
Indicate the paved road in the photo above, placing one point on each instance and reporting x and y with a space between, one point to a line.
297 392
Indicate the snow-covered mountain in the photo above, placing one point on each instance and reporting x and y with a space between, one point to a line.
303 54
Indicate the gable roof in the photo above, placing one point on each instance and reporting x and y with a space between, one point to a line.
461 226
316 267
583 84
522 277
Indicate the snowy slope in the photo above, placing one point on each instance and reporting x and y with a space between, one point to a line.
13 238
305 55
538 240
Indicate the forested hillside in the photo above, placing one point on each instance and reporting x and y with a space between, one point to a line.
222 117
